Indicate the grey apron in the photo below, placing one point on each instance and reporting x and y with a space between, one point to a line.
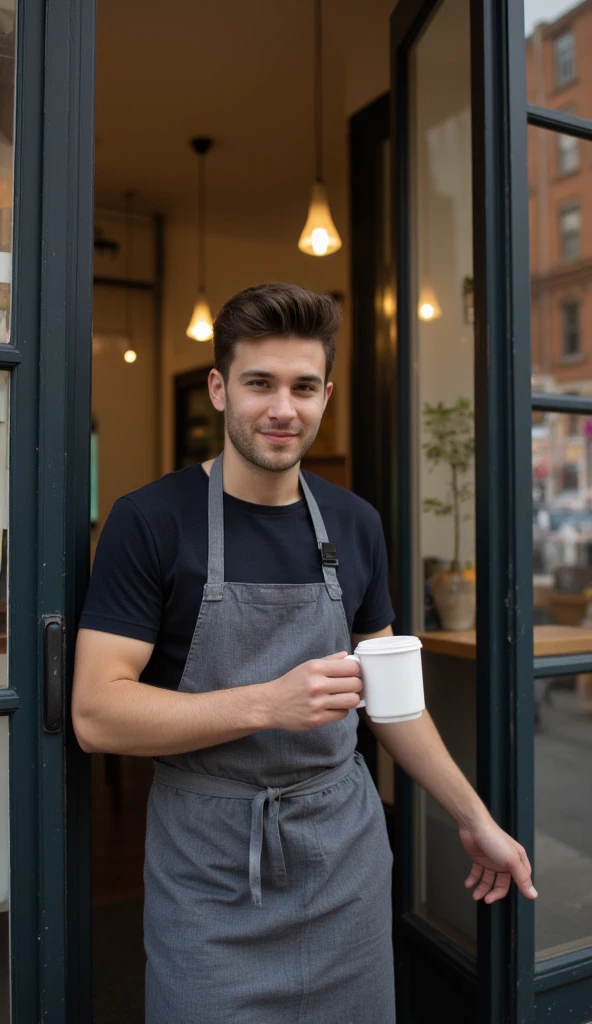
268 868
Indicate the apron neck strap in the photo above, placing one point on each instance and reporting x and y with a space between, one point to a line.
329 571
216 525
216 532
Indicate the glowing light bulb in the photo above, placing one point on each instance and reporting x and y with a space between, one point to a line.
319 241
130 356
428 307
319 236
201 327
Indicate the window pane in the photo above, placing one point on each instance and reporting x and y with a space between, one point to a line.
443 397
568 154
560 215
7 55
4 448
4 876
563 824
571 328
562 531
557 52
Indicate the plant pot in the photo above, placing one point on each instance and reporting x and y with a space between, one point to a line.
455 598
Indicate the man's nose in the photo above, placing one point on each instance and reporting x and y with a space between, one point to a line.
281 406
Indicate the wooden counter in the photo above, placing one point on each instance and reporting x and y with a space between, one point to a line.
548 641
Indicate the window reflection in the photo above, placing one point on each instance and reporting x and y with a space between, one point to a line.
443 425
4 876
7 56
563 825
557 48
4 449
562 532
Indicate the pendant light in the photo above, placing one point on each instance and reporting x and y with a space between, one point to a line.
201 327
129 353
428 307
319 236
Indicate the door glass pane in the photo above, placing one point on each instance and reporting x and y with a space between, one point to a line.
563 824
562 532
4 447
4 876
560 178
442 308
561 329
7 57
557 46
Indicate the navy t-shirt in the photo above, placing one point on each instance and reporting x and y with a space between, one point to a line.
151 561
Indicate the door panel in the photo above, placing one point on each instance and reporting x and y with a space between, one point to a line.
49 403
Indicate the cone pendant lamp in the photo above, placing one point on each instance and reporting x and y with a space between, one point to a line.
428 307
200 326
319 236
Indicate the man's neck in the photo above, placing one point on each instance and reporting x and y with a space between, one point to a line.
259 486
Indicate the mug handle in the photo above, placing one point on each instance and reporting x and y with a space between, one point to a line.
354 657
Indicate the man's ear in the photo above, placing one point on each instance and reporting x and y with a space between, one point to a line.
217 390
328 393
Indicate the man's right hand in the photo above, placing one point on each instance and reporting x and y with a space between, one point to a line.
314 693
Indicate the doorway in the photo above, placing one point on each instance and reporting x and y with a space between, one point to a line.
151 415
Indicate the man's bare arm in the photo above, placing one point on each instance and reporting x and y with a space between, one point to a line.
113 712
418 747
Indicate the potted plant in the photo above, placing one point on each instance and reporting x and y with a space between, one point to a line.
449 429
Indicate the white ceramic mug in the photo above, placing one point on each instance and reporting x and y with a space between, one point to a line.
392 678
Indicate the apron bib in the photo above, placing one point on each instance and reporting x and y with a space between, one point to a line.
268 868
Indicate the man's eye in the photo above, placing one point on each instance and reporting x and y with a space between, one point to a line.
257 383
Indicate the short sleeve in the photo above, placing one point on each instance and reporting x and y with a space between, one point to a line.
125 594
376 610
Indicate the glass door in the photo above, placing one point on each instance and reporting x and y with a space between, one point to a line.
460 195
492 267
46 116
559 112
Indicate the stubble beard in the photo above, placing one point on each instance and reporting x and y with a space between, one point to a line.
247 447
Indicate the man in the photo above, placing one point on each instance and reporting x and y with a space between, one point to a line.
234 588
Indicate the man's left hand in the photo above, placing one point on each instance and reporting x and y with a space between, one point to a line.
497 859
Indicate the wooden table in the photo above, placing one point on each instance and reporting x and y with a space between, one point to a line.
548 641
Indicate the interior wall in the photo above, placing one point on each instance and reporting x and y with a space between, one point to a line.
124 395
443 254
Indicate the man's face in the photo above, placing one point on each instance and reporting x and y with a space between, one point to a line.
274 399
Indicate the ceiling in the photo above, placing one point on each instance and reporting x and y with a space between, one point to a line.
239 71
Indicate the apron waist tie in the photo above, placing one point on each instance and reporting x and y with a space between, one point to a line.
216 785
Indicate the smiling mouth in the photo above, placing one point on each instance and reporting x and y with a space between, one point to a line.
280 438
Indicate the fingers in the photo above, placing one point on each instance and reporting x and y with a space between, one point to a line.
338 668
474 877
522 875
342 701
489 881
494 885
351 684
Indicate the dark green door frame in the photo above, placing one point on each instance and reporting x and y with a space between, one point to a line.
505 703
49 362
507 986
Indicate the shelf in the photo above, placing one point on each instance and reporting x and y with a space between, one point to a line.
549 641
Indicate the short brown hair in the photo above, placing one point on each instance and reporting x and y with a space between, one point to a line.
278 310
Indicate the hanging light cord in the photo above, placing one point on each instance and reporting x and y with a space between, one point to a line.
318 88
129 241
201 218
